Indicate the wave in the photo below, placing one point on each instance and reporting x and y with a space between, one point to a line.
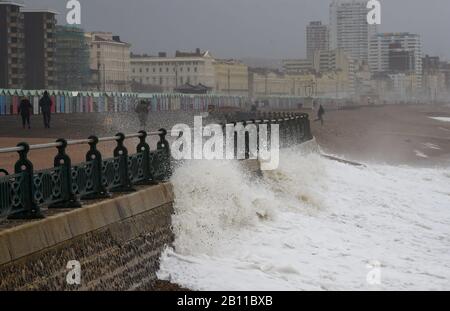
313 223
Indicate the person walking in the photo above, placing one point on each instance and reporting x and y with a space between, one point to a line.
25 109
142 110
320 114
46 108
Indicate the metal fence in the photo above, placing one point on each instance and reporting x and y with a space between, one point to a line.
23 193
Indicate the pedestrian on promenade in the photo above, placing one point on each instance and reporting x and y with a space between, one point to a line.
142 110
46 108
320 114
25 109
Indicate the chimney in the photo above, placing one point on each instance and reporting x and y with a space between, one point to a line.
197 51
116 38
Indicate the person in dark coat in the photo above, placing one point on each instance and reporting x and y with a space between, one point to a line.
46 108
142 110
320 114
25 109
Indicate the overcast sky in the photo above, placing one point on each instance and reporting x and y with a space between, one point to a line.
244 28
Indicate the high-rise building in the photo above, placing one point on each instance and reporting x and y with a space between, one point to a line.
72 59
110 59
349 29
40 33
317 38
12 54
396 53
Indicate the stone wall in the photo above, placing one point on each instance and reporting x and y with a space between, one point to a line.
117 242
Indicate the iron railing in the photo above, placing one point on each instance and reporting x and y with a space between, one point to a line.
26 191
23 193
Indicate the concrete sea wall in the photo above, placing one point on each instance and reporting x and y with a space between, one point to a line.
117 243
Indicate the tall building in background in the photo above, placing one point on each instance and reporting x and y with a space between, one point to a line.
72 59
396 53
12 54
317 38
40 45
110 60
349 29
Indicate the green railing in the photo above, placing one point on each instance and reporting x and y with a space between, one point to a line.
23 193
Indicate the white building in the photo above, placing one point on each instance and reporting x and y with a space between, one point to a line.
396 52
298 66
349 29
110 59
169 73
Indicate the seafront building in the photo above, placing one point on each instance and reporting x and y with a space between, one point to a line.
72 59
170 73
298 66
12 45
231 77
399 57
349 29
40 48
109 61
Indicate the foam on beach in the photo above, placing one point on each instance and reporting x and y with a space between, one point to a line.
313 224
443 119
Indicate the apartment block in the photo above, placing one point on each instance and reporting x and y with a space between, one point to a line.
349 29
40 48
396 53
317 38
12 53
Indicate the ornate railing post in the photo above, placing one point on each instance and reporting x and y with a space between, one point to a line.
299 129
121 152
93 155
246 141
163 145
144 148
69 199
235 140
257 138
30 210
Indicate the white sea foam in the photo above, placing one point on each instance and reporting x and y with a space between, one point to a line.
443 119
420 154
313 224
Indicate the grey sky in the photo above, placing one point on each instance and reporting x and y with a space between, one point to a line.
245 28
